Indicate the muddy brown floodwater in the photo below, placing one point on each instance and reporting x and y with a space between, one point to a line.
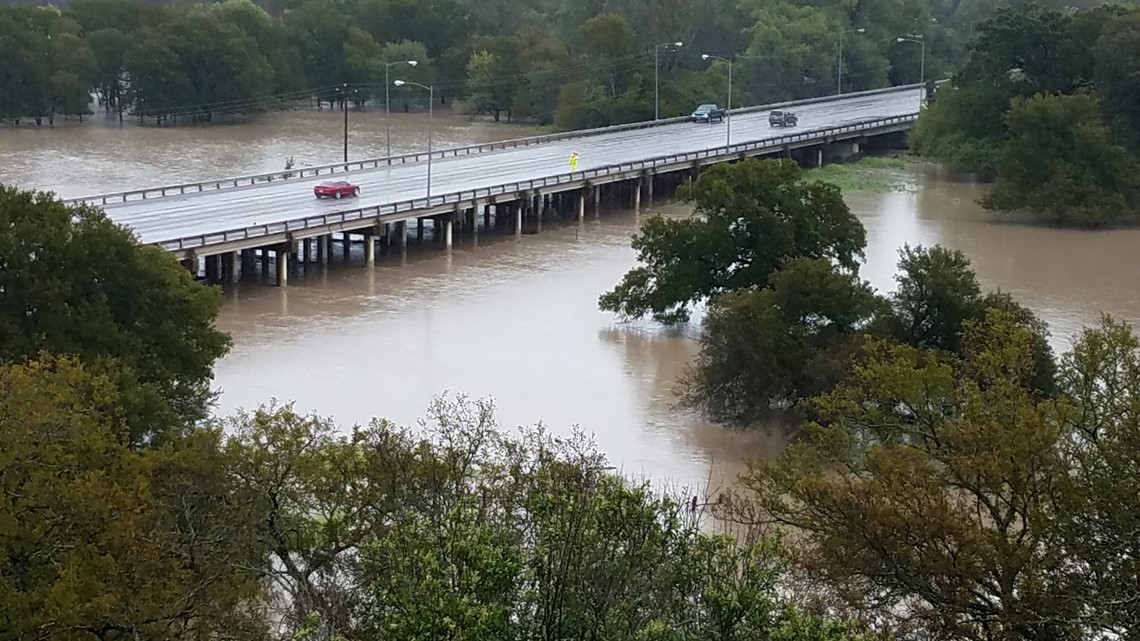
519 321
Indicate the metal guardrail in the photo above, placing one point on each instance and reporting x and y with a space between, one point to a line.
376 163
419 204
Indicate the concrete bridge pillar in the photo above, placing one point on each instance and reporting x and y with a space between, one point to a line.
597 202
818 157
581 206
369 249
518 207
265 262
346 244
282 267
487 215
191 265
649 185
419 229
473 216
322 250
248 262
213 268
447 232
637 196
229 264
402 235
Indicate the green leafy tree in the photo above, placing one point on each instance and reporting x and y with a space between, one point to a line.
750 219
157 81
1102 448
99 540
773 347
924 495
1060 163
73 282
610 47
938 295
109 47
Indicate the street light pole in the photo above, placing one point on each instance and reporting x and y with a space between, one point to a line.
657 74
839 74
431 106
921 62
344 92
387 103
728 109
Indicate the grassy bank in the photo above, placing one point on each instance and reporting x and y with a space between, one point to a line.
870 173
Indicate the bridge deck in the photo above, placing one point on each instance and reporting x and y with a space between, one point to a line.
172 217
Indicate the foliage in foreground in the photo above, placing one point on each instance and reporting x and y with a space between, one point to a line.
938 496
74 283
292 529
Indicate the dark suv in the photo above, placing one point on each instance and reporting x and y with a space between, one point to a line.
707 113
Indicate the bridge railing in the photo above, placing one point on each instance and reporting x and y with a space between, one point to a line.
389 161
420 204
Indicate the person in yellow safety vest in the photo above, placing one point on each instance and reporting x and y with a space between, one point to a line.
574 161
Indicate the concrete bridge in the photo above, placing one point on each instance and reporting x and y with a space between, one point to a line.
275 216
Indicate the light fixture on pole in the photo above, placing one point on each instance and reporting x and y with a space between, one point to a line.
921 64
657 73
728 108
431 103
839 74
387 103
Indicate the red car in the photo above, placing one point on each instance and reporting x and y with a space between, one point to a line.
336 189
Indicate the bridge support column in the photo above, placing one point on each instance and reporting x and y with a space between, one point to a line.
265 262
447 232
191 265
581 206
402 232
487 216
369 249
388 239
213 268
474 218
518 207
649 189
539 210
346 244
419 229
597 202
229 262
282 267
818 157
248 262
637 196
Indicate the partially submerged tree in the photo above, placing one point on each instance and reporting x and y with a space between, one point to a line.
750 219
770 348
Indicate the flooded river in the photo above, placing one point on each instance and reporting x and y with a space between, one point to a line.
519 321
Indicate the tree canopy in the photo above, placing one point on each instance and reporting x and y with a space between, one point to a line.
1041 102
750 218
74 283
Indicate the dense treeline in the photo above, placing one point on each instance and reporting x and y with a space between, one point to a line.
1047 101
575 64
951 479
